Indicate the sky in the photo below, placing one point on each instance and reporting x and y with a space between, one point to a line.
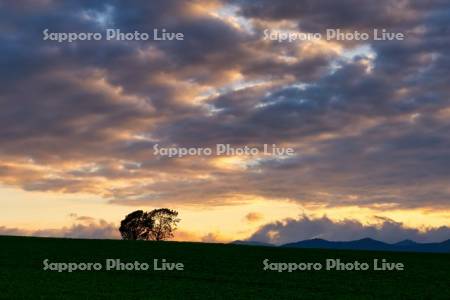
368 120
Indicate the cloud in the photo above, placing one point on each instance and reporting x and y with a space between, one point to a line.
185 236
253 217
369 120
348 14
12 231
303 228
213 237
189 236
85 227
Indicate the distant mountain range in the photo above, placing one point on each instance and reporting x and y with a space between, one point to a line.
363 244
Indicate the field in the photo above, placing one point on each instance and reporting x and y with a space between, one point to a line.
212 271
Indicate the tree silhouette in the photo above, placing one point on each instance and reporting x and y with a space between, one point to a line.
164 223
136 226
158 225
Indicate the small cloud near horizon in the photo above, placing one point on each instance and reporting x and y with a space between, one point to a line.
254 217
85 228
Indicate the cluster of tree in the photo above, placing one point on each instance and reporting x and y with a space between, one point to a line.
156 225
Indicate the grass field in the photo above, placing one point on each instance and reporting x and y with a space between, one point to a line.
212 271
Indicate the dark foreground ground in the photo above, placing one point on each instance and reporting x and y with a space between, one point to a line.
212 271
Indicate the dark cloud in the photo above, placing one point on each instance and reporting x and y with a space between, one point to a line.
293 230
316 15
369 121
